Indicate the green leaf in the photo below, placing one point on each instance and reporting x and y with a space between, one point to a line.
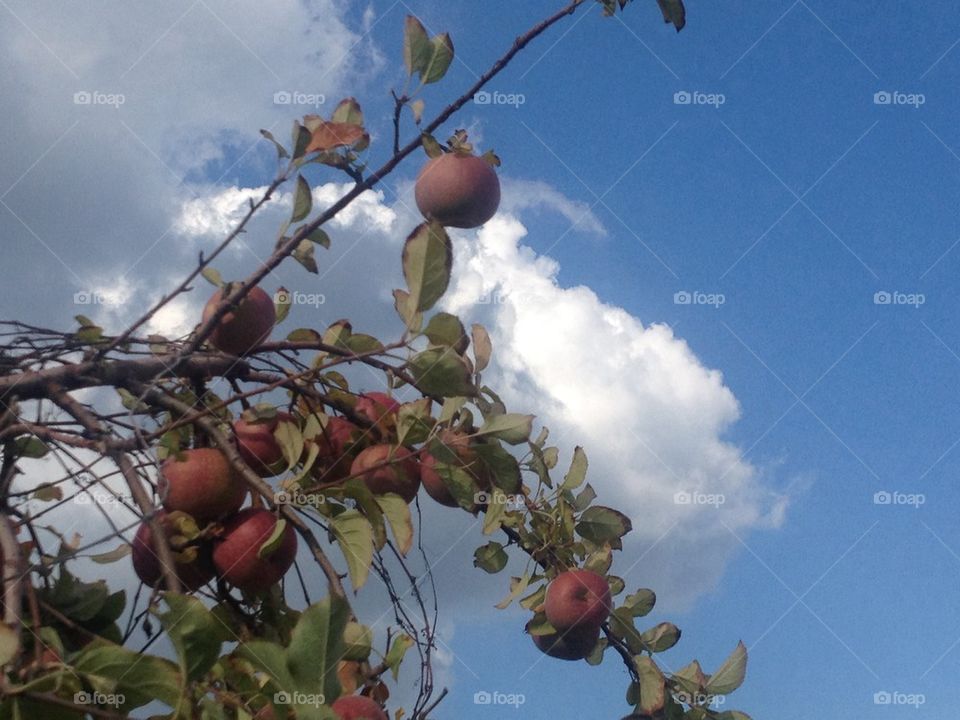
490 557
9 644
319 237
212 276
482 347
290 439
578 470
121 551
357 641
729 676
583 500
652 685
303 254
430 145
416 46
517 586
281 304
427 261
661 637
46 492
641 602
397 513
272 543
355 536
281 151
446 329
691 679
440 371
602 524
348 111
673 12
268 658
31 447
301 138
302 200
304 335
403 304
398 648
316 645
501 465
512 428
196 634
439 59
139 678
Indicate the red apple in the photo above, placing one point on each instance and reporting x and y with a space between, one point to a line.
458 190
202 483
433 483
386 469
466 458
578 598
244 327
338 443
258 446
235 554
358 707
146 563
573 644
379 408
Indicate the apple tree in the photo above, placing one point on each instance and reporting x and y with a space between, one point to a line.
299 464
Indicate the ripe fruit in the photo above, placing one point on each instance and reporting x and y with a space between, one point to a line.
573 644
193 572
258 446
337 443
466 458
236 554
202 483
386 469
433 483
244 327
358 707
576 599
379 408
458 190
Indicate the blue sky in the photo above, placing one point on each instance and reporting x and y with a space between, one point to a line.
789 205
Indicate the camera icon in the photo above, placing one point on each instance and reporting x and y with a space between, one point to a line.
682 298
282 498
882 98
482 697
282 297
82 298
82 98
882 298
481 498
282 698
882 498
682 498
482 98
882 698
282 97
82 698
682 97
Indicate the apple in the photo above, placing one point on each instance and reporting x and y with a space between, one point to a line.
577 598
192 573
202 483
236 552
245 326
433 483
459 444
338 442
458 190
379 408
358 707
573 644
386 469
258 446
